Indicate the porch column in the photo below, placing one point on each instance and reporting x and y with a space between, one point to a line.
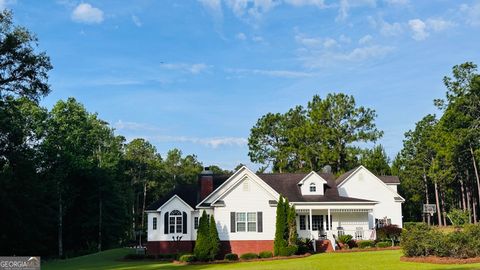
328 220
310 222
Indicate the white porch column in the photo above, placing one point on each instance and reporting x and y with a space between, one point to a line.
328 220
310 222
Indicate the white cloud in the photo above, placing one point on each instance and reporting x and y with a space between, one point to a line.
136 21
365 39
344 39
86 13
191 68
397 2
471 13
258 39
342 11
318 41
214 142
240 36
250 9
214 7
419 29
300 3
329 42
272 73
438 25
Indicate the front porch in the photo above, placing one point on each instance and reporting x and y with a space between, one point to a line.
329 222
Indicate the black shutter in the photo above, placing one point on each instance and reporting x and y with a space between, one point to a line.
232 221
165 223
184 223
259 222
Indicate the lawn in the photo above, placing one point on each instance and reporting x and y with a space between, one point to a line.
328 261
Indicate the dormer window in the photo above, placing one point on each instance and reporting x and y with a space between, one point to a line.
313 187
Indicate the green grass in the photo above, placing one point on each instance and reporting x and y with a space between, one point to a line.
377 260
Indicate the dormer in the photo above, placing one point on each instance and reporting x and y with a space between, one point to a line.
312 184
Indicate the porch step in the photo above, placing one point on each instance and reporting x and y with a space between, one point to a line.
324 246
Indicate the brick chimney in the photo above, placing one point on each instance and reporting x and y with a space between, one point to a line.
205 181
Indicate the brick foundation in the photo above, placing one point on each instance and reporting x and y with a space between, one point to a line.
169 247
243 246
324 246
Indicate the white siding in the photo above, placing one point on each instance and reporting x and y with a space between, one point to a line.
365 185
313 178
253 199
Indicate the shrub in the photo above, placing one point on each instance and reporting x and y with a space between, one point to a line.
416 241
288 251
231 257
214 240
345 238
265 254
304 245
248 256
458 217
408 225
383 244
202 245
187 258
365 244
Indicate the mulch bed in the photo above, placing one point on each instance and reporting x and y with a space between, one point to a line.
240 260
364 249
440 260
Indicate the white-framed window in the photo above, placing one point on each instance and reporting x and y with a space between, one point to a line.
313 187
175 222
154 223
303 222
195 223
246 221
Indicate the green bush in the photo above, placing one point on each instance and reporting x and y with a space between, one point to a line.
288 251
187 258
304 245
345 238
383 244
408 225
458 217
265 254
389 232
248 256
417 241
231 257
365 244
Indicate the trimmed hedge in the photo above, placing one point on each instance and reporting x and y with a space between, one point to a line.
187 258
365 244
422 240
288 251
383 244
231 257
249 256
265 254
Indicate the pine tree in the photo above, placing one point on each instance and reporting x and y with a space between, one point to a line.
202 245
214 240
280 228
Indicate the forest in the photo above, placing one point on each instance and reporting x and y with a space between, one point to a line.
71 185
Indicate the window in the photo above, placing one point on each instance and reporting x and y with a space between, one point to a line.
303 224
317 222
195 223
154 223
246 221
175 222
313 187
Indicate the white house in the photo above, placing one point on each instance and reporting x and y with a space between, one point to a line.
244 207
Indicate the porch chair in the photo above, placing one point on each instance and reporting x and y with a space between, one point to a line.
322 234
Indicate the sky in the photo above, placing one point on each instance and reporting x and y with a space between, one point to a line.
196 75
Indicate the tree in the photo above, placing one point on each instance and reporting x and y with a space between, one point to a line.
292 226
144 163
203 246
214 239
376 160
325 133
279 242
24 69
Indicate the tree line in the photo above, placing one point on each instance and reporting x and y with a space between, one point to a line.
69 184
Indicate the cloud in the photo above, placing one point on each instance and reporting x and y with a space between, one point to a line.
250 10
272 73
240 36
326 42
386 28
471 13
191 68
365 39
397 2
134 126
86 13
300 3
438 25
419 29
136 21
214 7
342 11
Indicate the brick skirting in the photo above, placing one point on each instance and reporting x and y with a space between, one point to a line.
235 246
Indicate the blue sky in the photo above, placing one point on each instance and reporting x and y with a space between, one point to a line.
196 75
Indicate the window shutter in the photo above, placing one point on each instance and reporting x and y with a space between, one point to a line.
259 221
232 221
184 223
165 223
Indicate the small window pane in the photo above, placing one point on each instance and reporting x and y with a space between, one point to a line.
252 216
172 228
240 226
241 217
252 226
196 222
154 223
313 188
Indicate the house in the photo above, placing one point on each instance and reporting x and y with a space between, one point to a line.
244 206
